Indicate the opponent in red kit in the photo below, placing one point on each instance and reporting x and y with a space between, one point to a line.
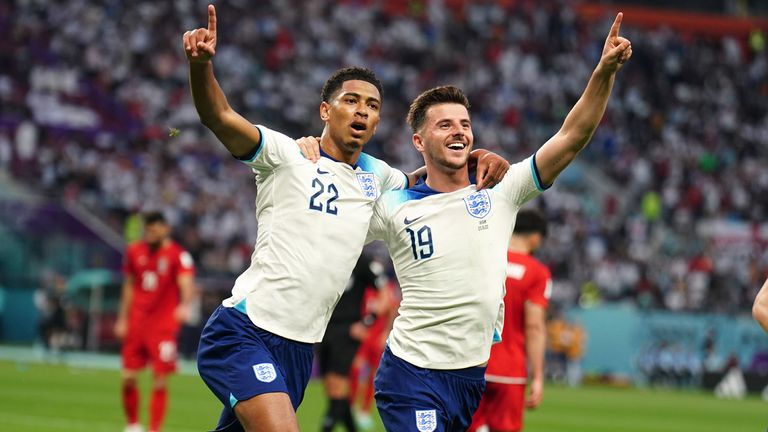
157 290
529 286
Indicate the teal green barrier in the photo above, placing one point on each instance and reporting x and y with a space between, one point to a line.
620 338
18 316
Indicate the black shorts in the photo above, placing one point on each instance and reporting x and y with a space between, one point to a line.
337 350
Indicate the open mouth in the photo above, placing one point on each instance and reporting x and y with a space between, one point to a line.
457 146
359 126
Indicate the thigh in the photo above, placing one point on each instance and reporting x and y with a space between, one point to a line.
405 400
162 353
239 361
267 412
134 356
505 406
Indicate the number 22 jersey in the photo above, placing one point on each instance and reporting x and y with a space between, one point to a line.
312 222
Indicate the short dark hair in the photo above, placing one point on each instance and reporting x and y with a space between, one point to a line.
335 81
154 217
417 114
530 221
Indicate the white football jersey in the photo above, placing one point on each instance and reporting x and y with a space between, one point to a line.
313 219
449 252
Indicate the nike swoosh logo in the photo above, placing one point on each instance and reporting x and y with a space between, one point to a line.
410 221
319 171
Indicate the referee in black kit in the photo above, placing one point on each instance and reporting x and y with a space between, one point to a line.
345 331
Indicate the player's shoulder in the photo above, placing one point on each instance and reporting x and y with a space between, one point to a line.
175 248
539 266
135 247
529 261
369 163
397 198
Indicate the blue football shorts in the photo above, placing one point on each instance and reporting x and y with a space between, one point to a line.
410 398
238 361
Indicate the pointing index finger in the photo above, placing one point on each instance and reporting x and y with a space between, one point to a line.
616 25
211 18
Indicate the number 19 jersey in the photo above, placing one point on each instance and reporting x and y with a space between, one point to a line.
312 222
449 251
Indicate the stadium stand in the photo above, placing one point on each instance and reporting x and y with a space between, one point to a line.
90 92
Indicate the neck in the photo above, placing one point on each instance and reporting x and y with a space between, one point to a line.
158 245
445 179
519 245
339 151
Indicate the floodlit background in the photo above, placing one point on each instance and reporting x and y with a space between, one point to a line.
658 232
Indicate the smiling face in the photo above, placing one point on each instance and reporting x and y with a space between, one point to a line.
445 139
352 114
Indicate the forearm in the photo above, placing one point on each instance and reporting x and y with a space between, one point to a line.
209 98
760 307
186 289
126 297
237 134
414 177
583 119
535 345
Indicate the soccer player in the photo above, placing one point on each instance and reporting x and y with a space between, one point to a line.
448 242
528 287
760 308
346 329
256 349
158 288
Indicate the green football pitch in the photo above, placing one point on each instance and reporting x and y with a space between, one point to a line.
41 397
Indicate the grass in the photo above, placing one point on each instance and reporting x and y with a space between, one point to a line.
50 398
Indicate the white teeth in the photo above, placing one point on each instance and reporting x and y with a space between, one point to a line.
456 146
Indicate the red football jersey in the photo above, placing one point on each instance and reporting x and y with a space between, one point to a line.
528 280
155 285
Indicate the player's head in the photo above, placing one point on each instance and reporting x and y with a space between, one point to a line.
156 229
531 225
442 129
351 107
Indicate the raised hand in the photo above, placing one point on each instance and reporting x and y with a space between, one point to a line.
617 50
200 44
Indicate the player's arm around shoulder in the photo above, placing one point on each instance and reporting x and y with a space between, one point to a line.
521 183
237 134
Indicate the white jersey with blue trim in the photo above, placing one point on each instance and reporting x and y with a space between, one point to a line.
312 222
449 251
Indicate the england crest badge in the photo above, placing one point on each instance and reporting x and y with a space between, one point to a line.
367 184
478 204
426 420
265 372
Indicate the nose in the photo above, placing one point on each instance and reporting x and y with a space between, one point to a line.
362 110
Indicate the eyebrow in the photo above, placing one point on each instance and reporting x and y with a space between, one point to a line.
468 120
370 98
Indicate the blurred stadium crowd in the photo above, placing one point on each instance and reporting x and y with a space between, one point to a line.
90 92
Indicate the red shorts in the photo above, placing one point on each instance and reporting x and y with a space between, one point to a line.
154 348
501 407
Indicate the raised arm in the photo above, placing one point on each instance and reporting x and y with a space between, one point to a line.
237 134
581 122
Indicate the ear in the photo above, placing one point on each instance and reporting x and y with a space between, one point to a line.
418 142
325 109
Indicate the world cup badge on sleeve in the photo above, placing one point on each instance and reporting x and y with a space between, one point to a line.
478 204
367 184
265 372
426 420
